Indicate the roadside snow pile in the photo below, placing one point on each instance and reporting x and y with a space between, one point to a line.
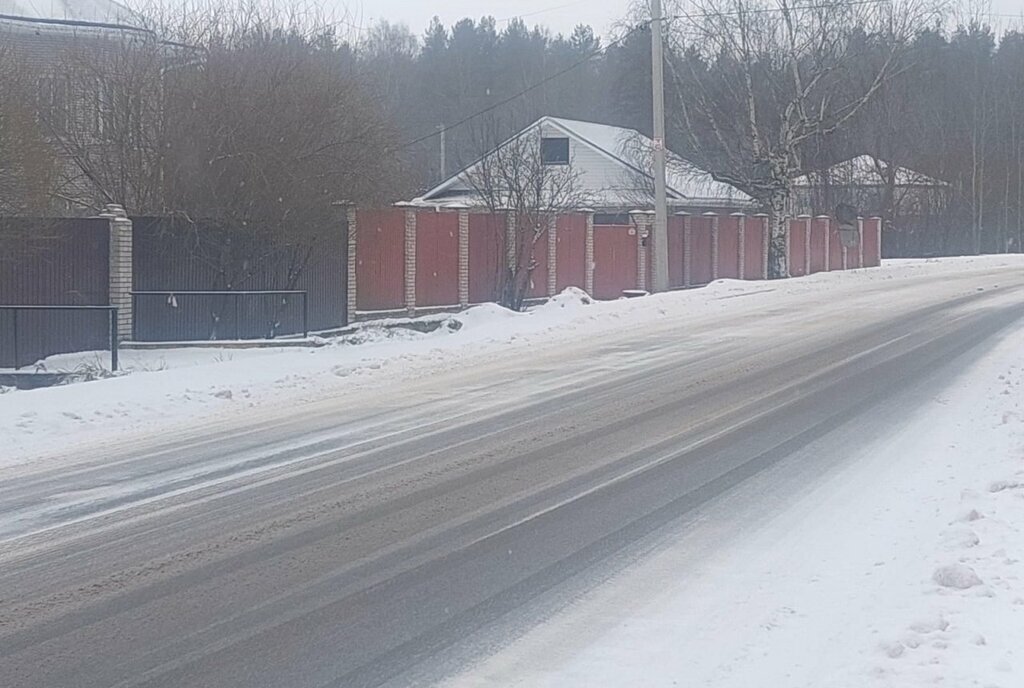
172 388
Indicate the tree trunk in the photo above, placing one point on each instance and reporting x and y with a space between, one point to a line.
778 267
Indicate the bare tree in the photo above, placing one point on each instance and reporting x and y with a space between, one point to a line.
756 82
533 187
27 161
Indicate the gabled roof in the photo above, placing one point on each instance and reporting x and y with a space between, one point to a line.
864 170
686 184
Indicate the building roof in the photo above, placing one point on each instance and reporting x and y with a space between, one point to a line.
866 171
87 11
623 148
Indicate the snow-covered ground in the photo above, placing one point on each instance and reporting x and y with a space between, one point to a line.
172 388
904 568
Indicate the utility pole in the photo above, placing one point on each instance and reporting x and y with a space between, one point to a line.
444 154
659 245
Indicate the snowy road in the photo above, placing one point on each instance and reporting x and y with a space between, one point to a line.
393 535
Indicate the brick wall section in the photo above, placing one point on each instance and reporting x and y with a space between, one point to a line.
410 260
463 258
120 269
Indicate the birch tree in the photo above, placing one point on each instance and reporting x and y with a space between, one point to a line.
754 83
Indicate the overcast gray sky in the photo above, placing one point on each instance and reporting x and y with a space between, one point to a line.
558 15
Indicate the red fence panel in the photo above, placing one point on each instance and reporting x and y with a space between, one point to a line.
437 258
700 250
675 251
380 259
571 247
797 248
486 256
872 250
753 250
615 256
819 230
835 248
538 256
729 247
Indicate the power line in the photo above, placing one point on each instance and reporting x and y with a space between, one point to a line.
766 10
528 89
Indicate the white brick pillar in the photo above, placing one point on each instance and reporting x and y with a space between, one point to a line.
588 255
714 244
410 260
353 260
119 281
878 233
687 250
741 250
828 244
463 257
552 255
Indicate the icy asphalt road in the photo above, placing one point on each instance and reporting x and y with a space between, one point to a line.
390 538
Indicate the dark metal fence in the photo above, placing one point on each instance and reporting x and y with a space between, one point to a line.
17 315
259 314
173 257
49 262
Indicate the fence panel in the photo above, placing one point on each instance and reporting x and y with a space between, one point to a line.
835 248
700 250
571 247
797 248
675 251
437 258
872 251
486 256
57 262
174 255
380 259
819 230
728 247
753 250
614 260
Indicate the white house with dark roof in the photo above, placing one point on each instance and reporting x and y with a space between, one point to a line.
609 164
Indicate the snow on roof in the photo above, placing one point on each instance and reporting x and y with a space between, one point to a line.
865 170
629 149
88 11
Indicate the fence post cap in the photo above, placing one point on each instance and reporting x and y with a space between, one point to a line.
113 210
760 214
709 213
738 213
822 217
586 210
681 213
803 216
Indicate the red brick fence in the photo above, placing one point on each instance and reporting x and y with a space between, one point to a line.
408 259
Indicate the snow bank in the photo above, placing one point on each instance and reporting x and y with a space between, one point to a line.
167 389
